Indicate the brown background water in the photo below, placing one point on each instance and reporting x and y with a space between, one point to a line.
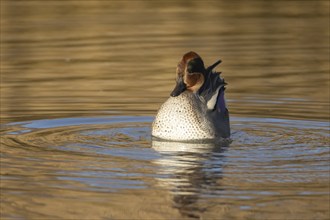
101 69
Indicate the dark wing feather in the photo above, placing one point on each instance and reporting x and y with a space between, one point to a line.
212 82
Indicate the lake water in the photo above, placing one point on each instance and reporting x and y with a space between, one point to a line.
81 82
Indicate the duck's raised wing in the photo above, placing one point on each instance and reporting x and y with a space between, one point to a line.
212 85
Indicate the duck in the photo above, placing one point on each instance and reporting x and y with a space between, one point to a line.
196 109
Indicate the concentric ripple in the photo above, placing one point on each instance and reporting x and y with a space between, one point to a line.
100 163
89 135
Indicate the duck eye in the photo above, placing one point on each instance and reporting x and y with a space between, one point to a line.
190 68
195 66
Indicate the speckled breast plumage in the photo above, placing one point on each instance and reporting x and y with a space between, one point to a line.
183 118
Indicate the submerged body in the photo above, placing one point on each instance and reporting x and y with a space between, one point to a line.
196 109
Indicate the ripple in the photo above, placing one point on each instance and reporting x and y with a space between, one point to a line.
269 160
89 135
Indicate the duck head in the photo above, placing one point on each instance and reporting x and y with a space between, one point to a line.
191 73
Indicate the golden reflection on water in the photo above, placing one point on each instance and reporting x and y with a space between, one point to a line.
63 59
119 58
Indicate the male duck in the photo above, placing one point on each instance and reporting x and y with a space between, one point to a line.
196 109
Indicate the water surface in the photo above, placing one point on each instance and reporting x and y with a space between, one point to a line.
81 82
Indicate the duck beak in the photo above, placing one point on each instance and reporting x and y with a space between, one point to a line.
180 87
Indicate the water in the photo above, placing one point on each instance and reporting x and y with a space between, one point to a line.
81 82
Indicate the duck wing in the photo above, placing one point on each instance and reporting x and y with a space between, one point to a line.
213 84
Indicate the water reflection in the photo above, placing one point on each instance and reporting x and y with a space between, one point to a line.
62 59
190 170
65 59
